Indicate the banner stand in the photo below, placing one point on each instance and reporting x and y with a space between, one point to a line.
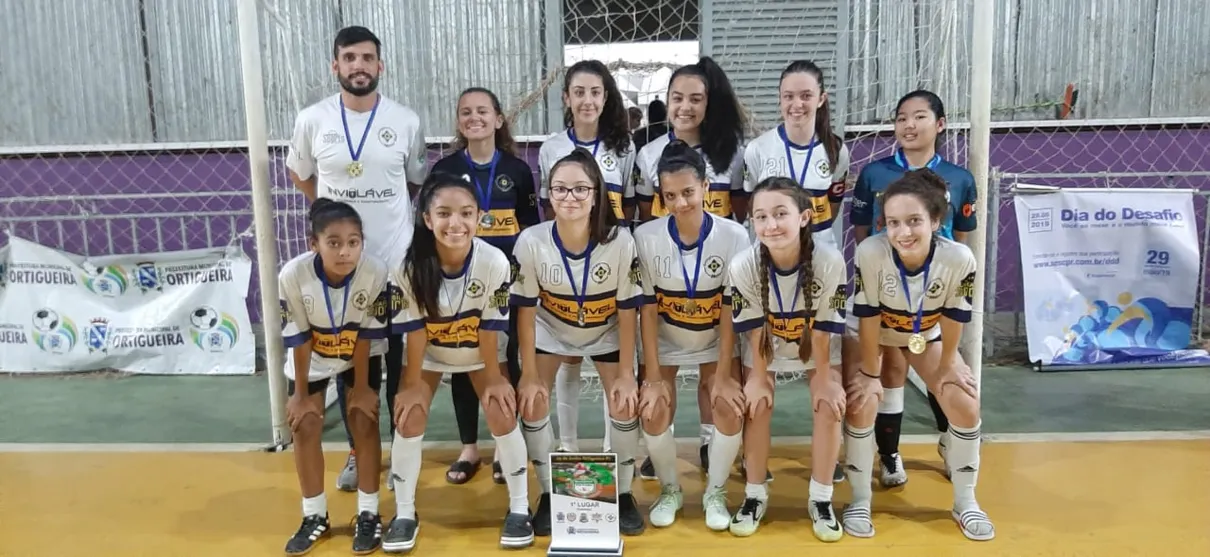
584 505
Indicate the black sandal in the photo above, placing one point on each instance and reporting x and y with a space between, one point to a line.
466 468
497 473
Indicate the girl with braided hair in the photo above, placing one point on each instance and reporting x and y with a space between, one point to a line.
787 300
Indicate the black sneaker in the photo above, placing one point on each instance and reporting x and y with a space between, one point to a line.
517 532
401 535
703 453
313 529
647 470
541 519
630 520
367 533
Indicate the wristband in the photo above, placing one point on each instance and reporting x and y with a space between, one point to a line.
862 371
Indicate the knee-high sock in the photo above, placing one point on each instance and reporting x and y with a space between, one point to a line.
539 439
511 450
405 468
723 451
963 461
567 409
859 462
625 438
889 422
662 450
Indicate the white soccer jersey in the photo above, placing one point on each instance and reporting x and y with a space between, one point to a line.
607 278
394 154
475 300
688 333
947 290
786 307
615 167
332 316
722 186
767 157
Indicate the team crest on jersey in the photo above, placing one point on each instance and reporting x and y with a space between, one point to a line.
738 303
935 288
838 299
381 308
387 136
823 168
499 299
360 300
636 272
475 289
332 138
714 266
309 305
609 163
504 183
600 273
398 302
816 288
966 288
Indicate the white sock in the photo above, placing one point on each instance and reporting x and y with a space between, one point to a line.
662 449
819 492
511 449
317 505
756 491
859 462
367 502
723 451
892 401
963 462
539 440
626 444
405 468
567 408
606 446
704 432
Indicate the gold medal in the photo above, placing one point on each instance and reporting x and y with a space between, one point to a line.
354 169
580 316
916 343
487 220
690 306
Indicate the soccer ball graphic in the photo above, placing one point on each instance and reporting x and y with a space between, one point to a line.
204 318
46 320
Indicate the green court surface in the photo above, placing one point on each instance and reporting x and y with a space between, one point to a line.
114 408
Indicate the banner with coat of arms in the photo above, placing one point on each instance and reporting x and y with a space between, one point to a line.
170 313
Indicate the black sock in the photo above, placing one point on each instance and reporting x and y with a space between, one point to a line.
943 423
886 432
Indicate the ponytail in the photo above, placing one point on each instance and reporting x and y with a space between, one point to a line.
823 116
722 128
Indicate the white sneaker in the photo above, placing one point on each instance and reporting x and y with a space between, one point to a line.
823 521
714 502
666 507
747 519
892 474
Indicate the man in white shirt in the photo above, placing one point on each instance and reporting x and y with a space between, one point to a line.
362 148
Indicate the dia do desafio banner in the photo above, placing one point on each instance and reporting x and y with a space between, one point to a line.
165 313
1110 276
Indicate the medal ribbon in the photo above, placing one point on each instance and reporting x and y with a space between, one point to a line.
781 310
907 293
799 177
344 308
485 192
344 120
700 244
596 143
582 293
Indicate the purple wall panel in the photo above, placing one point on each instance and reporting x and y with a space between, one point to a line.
201 221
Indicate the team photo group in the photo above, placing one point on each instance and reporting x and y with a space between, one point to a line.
682 244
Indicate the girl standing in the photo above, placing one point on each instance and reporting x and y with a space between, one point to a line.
484 154
334 322
453 311
913 295
576 292
788 298
919 122
596 120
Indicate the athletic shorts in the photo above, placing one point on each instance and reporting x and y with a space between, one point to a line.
319 385
607 358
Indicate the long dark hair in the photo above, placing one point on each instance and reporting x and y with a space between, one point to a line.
722 127
806 274
613 126
678 156
823 117
926 186
602 222
935 105
504 135
422 266
324 212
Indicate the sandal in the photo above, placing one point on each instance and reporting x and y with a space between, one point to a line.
497 473
466 468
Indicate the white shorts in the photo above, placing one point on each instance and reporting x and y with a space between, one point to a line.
785 365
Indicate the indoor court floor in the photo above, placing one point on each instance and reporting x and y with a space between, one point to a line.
80 486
